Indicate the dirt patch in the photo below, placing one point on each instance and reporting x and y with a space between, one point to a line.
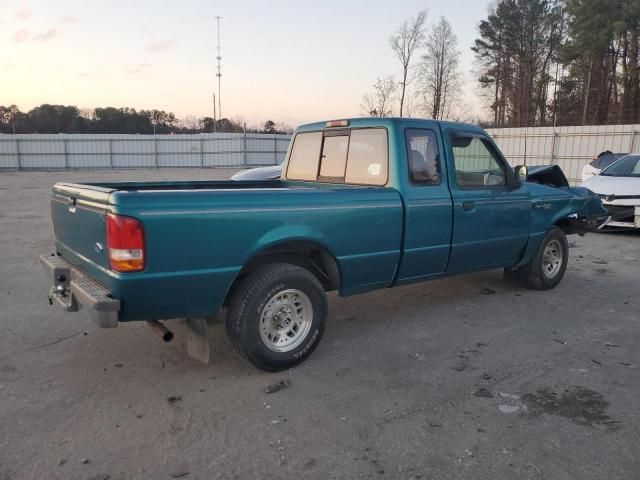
580 405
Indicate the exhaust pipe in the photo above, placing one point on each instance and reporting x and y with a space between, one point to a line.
162 331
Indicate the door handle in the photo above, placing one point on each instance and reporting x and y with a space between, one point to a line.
467 206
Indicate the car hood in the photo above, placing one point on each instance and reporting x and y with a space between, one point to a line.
604 185
261 173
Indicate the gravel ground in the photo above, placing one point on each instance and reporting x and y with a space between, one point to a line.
459 378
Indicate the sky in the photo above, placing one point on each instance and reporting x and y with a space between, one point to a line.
289 61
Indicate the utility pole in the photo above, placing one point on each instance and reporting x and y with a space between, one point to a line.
219 74
214 112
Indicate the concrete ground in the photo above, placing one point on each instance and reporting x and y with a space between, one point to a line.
461 378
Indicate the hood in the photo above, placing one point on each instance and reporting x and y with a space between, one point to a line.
260 173
604 185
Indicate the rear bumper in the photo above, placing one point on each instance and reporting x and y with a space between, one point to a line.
73 291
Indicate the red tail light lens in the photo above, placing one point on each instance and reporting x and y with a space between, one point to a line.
125 241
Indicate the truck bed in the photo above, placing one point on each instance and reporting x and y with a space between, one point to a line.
199 234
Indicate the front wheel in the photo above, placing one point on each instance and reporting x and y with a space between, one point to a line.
276 316
548 265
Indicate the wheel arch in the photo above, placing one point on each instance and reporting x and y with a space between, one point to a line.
309 254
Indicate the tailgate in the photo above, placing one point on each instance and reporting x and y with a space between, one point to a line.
78 215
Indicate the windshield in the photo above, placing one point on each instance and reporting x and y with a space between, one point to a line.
628 166
607 159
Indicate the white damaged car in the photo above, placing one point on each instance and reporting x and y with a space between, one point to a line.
619 188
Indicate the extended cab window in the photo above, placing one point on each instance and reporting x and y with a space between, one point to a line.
422 154
477 163
358 156
305 155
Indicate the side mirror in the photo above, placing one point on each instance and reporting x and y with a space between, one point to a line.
521 173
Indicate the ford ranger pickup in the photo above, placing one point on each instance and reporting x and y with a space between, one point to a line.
361 204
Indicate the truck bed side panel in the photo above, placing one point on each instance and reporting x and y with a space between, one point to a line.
198 241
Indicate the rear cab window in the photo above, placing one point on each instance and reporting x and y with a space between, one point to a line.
352 156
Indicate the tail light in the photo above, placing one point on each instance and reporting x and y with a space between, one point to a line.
125 241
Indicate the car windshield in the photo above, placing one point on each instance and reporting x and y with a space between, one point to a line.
628 166
605 160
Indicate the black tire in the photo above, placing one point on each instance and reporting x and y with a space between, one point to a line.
254 295
534 274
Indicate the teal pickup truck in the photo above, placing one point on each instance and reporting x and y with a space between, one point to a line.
362 204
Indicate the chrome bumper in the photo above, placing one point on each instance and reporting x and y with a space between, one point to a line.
73 291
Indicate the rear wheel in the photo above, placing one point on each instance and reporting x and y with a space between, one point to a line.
276 316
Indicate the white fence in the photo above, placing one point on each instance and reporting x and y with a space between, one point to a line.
57 151
569 147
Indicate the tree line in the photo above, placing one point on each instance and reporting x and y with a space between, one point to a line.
538 62
561 62
70 119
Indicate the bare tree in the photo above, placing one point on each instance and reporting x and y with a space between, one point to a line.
190 122
378 103
439 74
404 43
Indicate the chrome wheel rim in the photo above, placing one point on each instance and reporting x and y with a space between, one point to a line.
552 259
285 320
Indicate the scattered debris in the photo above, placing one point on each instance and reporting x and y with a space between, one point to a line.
488 291
572 244
509 395
180 471
560 341
275 422
626 364
600 262
518 294
509 408
486 376
597 362
468 452
276 387
62 462
483 393
609 344
601 271
173 399
84 461
435 425
118 365
309 464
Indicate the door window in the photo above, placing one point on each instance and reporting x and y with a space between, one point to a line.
476 162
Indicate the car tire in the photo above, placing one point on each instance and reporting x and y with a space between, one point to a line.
277 316
548 266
